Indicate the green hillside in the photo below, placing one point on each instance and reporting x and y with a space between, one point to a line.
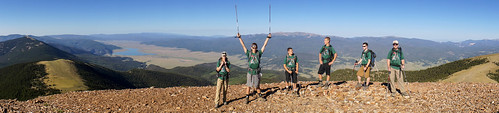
145 78
24 81
494 75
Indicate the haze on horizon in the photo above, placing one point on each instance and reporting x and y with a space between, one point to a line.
442 20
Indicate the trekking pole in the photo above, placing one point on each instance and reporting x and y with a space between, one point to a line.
353 69
237 19
270 25
405 79
388 83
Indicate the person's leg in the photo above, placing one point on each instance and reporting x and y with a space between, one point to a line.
328 74
288 79
400 81
219 88
360 73
294 80
321 71
248 84
392 80
368 71
226 87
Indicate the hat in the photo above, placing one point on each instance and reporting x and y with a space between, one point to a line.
224 53
395 42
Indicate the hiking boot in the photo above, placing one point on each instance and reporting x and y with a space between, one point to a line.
393 94
365 87
358 85
247 100
263 99
405 95
260 98
326 84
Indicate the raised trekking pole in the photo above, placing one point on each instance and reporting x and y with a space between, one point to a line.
270 20
237 19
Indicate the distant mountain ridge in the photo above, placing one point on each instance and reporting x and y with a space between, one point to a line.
423 53
74 49
23 50
420 53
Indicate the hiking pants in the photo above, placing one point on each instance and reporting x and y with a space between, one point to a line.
222 86
395 73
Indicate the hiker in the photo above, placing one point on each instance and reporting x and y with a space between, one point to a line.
254 70
223 69
291 70
395 64
326 59
365 66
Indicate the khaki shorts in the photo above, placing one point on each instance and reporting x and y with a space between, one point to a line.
362 73
253 80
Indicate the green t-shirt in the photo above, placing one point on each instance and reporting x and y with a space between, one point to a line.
366 55
223 71
327 53
396 57
291 61
253 61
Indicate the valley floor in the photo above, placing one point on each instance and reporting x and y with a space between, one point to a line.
340 97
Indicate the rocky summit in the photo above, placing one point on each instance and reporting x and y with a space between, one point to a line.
337 97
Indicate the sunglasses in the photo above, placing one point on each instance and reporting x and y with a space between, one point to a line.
364 46
395 44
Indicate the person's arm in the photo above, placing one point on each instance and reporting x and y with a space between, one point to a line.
297 67
334 59
219 67
242 43
367 65
227 67
286 68
403 63
320 58
266 41
359 62
388 64
402 59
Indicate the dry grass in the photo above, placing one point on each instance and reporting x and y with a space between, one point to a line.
168 57
62 75
477 73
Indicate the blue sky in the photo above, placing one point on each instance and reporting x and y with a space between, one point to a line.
439 20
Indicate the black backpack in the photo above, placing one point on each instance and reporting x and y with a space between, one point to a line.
373 57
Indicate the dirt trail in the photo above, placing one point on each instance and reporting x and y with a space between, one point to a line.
342 97
476 73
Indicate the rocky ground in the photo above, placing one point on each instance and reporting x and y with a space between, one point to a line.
339 97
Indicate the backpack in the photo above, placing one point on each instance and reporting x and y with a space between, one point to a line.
330 54
373 57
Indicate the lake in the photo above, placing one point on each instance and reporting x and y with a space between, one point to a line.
132 52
